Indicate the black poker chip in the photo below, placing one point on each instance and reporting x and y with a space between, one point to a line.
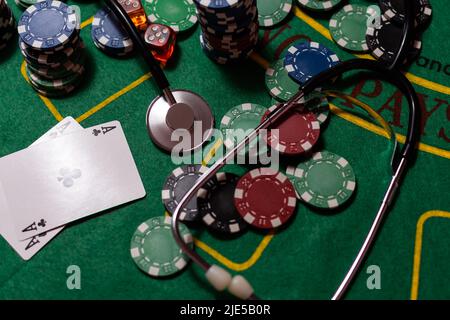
177 184
216 205
394 10
383 41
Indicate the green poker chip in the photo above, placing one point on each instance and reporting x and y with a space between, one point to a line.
272 12
180 15
278 82
348 26
281 86
325 181
155 251
319 5
240 121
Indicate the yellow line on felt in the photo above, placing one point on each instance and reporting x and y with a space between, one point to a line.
86 22
387 130
418 248
233 265
413 78
50 106
113 97
365 124
380 131
211 153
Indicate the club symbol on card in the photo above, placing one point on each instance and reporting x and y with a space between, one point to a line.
68 176
42 223
104 130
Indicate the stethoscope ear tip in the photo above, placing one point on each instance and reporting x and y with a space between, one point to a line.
221 279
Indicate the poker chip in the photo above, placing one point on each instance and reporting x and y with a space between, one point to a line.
319 5
239 122
215 203
180 15
305 60
272 12
278 82
155 251
348 26
281 86
324 181
53 59
383 42
74 65
320 107
46 84
394 10
296 133
50 42
48 24
229 29
108 35
265 198
177 185
424 13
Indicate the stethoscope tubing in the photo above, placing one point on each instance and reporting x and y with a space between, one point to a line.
400 164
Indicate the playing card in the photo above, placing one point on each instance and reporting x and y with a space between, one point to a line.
69 178
29 247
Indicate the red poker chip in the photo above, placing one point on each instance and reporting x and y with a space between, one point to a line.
265 198
297 133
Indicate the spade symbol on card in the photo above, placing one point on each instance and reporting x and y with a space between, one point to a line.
103 131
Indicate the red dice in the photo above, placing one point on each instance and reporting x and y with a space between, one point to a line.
136 12
161 40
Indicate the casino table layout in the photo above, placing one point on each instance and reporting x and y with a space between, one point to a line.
305 260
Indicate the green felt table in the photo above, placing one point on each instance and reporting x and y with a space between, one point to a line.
306 260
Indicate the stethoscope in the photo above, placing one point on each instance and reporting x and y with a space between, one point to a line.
237 285
173 109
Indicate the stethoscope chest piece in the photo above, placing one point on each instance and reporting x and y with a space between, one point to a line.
190 119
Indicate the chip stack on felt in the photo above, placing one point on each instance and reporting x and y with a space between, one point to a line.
24 4
229 28
109 36
49 39
7 23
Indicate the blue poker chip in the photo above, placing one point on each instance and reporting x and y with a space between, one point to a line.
108 34
48 25
304 60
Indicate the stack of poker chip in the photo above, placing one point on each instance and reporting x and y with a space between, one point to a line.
109 36
49 39
229 28
24 4
383 38
7 23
